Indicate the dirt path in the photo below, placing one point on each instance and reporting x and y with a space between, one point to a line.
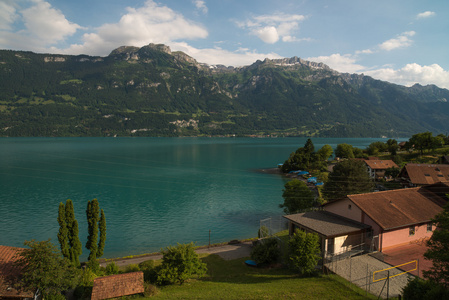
227 252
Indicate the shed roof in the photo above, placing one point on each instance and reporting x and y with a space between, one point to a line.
326 223
398 208
422 174
381 164
117 285
9 271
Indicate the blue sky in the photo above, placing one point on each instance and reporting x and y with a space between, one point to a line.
401 41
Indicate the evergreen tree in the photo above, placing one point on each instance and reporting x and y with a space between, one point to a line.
63 231
102 228
73 238
92 213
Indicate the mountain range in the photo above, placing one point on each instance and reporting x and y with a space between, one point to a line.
152 91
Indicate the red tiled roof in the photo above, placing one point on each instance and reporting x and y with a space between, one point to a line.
398 208
381 164
117 285
8 256
425 173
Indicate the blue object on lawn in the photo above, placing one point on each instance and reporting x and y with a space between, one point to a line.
250 263
303 173
312 180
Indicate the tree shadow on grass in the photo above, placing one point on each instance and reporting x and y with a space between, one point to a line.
236 271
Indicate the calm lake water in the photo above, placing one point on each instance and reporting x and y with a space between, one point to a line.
155 192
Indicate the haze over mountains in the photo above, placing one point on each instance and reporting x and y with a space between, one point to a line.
151 91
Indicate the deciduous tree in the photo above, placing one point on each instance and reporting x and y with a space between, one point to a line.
348 177
438 249
297 196
44 268
96 222
68 238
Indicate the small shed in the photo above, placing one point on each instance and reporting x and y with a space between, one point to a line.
117 285
337 234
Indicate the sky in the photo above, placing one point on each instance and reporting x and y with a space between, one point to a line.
400 41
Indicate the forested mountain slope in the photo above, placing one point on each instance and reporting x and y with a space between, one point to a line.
151 91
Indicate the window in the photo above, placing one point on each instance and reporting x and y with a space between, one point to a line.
439 175
349 206
428 175
369 233
429 227
411 230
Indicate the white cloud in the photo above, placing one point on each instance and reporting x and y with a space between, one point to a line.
151 23
341 63
401 41
201 6
414 73
46 23
407 75
272 28
267 34
218 56
7 14
425 14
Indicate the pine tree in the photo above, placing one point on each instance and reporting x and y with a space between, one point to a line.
92 214
102 228
63 231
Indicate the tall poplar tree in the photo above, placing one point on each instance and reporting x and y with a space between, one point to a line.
102 228
92 214
69 241
96 222
63 232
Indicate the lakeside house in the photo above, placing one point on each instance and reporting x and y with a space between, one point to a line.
374 221
423 174
10 275
377 167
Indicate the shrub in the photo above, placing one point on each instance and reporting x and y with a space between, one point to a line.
150 290
266 252
132 268
179 264
145 265
54 296
420 289
112 269
304 251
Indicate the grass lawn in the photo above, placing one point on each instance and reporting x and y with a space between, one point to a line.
234 280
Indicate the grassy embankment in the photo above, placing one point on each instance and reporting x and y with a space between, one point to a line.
234 280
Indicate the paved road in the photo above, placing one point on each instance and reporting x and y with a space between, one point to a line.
226 252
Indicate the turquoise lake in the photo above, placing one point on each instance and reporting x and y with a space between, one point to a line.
155 192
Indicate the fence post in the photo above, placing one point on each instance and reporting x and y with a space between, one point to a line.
388 285
418 267
350 269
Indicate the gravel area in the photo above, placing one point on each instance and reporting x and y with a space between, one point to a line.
359 270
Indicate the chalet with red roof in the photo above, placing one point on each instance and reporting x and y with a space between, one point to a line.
10 275
424 174
374 221
377 168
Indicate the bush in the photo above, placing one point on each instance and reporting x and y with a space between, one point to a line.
132 268
266 252
145 265
179 264
150 290
304 251
54 296
82 292
420 289
112 269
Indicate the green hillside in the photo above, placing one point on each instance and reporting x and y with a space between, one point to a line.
151 91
